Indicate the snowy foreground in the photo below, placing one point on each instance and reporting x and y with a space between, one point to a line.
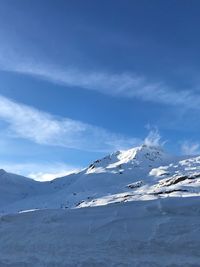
139 207
162 232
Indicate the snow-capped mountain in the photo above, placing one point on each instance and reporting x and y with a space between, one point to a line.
142 157
48 224
140 173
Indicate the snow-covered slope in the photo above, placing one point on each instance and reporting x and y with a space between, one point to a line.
159 233
14 187
140 173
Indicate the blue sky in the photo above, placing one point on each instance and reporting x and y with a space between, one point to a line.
80 79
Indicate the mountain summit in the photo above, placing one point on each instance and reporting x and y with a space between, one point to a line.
126 161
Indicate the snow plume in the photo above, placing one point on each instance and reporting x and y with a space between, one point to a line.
189 148
153 138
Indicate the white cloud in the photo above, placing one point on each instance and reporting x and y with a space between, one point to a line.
43 128
39 171
190 148
43 176
123 85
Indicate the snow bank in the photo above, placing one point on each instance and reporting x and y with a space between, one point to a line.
162 232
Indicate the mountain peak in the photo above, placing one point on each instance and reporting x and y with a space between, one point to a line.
141 156
139 151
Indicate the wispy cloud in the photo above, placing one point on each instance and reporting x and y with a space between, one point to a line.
124 85
190 148
43 128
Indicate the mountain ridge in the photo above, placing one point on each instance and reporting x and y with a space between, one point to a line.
140 173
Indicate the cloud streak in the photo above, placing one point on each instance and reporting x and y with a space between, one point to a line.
119 85
43 128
